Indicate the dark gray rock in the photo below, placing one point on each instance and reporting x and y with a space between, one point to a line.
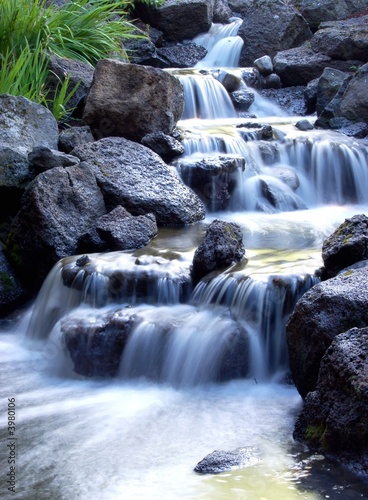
347 245
345 40
178 19
72 137
25 125
213 178
12 292
136 178
95 348
45 158
269 27
242 99
358 130
180 55
129 100
80 78
290 99
353 104
304 125
334 419
221 461
326 310
221 12
57 207
328 85
316 11
221 247
164 145
121 231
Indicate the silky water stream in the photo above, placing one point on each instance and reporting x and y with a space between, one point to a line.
203 368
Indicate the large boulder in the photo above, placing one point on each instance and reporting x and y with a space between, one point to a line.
316 11
326 310
25 125
178 19
133 176
353 104
269 27
334 418
346 40
221 247
129 100
57 207
346 246
328 85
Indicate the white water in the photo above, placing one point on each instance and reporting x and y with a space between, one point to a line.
132 438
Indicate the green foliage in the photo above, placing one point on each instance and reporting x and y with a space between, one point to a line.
62 97
30 32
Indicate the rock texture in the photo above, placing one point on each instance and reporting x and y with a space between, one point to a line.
347 245
58 206
221 247
334 419
136 178
221 461
280 25
326 310
128 100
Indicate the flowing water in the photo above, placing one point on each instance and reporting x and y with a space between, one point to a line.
203 367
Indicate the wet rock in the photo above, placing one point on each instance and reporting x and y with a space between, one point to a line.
44 158
178 19
272 81
221 12
304 125
95 349
221 461
323 312
286 174
133 176
264 65
290 99
358 130
164 145
129 100
221 247
354 102
280 24
121 231
334 419
347 245
57 207
242 99
72 137
25 125
212 178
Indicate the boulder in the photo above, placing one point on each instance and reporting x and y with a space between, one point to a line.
347 245
43 158
221 247
180 55
213 178
316 11
164 145
57 207
16 172
129 100
328 85
25 125
221 12
269 27
133 176
334 419
178 19
221 461
95 348
346 40
121 231
353 104
323 312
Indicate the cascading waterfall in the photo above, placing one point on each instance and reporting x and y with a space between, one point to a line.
106 328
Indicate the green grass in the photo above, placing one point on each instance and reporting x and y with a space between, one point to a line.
84 30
